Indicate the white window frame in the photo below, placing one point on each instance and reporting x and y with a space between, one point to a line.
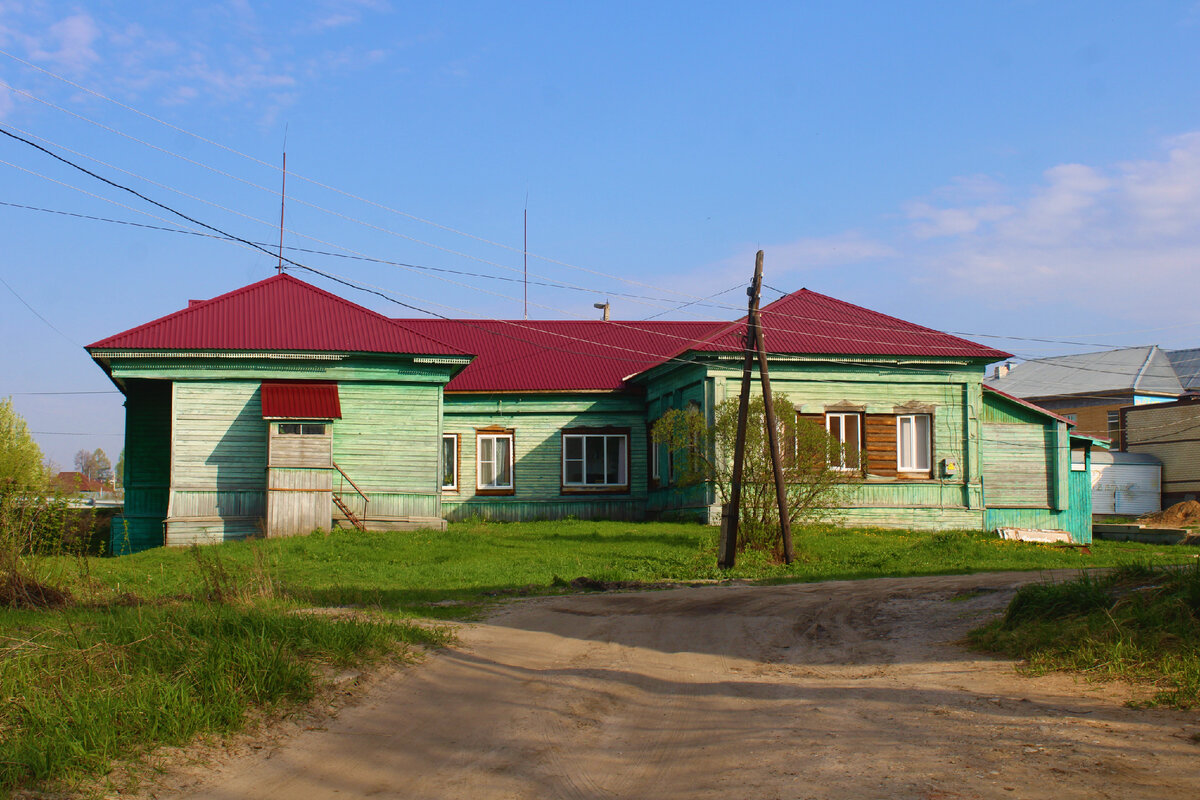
495 436
622 435
900 452
450 487
858 422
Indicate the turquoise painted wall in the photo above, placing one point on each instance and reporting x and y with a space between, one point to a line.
147 476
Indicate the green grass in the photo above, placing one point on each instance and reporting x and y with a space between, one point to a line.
475 563
1139 623
169 644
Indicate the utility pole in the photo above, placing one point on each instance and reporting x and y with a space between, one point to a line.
731 514
785 524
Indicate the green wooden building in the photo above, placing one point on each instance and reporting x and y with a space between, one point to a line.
280 408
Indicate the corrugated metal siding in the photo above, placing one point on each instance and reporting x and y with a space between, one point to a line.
279 313
1125 488
300 400
1170 433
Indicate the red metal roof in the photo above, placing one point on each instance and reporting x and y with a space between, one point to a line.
279 313
812 323
300 400
558 355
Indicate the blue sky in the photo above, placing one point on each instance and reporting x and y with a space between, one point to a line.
1012 169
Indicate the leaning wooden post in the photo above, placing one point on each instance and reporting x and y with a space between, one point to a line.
728 554
785 523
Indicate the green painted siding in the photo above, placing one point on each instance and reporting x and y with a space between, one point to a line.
388 443
1018 464
219 462
675 388
147 476
537 422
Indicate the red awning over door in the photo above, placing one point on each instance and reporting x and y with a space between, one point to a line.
300 400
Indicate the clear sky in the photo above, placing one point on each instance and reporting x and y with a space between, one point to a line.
1005 169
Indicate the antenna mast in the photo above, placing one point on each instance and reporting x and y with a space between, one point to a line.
282 201
526 253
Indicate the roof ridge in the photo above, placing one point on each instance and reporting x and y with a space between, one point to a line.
909 327
282 277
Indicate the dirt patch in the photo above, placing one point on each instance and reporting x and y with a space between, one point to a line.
1180 515
18 590
829 690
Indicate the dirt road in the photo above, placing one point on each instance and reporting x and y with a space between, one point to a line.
831 690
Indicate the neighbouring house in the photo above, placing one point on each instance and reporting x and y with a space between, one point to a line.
77 482
1090 389
1170 432
281 408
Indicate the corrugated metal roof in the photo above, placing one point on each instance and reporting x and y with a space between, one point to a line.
1136 369
559 355
1187 366
300 400
279 313
812 323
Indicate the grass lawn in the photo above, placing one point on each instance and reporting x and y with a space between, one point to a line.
475 563
170 644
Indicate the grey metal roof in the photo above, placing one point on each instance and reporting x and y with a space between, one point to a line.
1145 370
1187 366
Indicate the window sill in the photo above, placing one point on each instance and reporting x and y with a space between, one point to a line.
494 492
570 490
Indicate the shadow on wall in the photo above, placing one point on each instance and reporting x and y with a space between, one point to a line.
240 459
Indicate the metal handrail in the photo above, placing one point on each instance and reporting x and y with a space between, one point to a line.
352 483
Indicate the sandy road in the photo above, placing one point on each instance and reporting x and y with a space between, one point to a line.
832 690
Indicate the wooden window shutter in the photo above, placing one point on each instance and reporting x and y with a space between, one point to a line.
881 445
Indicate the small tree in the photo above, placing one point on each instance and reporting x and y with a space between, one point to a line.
704 454
94 465
119 470
20 457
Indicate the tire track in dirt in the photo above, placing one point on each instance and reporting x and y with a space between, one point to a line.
831 690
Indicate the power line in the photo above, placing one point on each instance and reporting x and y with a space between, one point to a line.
37 313
263 249
403 213
346 217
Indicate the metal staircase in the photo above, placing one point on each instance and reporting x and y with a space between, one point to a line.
340 501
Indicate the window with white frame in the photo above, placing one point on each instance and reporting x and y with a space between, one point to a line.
494 462
912 443
595 460
450 462
845 440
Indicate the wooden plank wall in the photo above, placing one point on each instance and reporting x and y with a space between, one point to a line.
147 478
1019 465
538 422
219 461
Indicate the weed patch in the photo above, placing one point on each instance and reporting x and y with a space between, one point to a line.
1138 623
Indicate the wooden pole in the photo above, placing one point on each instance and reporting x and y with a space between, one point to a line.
727 557
785 523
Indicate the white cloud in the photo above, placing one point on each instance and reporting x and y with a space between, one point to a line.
68 43
1120 236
